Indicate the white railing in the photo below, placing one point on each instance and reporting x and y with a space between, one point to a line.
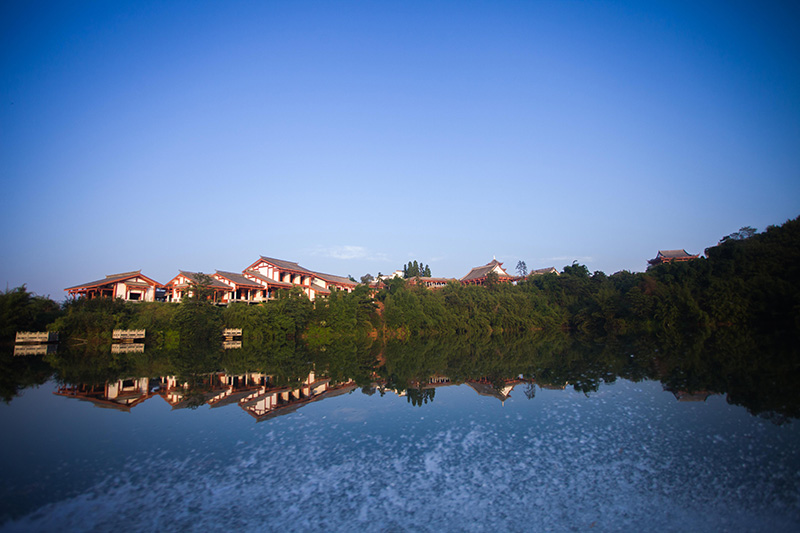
37 336
125 334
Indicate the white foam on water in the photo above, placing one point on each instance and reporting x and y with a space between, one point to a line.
567 469
468 479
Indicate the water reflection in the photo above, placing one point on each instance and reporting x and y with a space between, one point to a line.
271 379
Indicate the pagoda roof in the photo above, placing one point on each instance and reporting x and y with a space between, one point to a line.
483 271
115 278
675 254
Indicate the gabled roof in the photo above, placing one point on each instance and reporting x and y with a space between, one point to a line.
284 265
239 279
540 271
115 278
330 278
269 281
482 271
192 276
319 289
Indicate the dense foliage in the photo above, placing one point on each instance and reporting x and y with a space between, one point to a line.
750 279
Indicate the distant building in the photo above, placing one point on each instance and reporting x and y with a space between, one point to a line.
430 283
478 275
131 286
542 271
668 256
395 274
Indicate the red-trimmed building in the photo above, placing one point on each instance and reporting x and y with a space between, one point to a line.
242 289
478 275
271 272
329 281
180 286
269 284
131 286
668 256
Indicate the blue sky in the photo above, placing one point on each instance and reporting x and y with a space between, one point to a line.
353 137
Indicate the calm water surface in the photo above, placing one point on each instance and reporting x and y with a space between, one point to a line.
628 456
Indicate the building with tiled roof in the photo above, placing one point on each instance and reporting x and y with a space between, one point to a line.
131 286
668 256
429 282
242 289
478 275
180 286
270 270
329 281
542 271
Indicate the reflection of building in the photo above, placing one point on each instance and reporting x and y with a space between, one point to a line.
251 391
237 387
686 396
131 286
668 256
485 387
270 402
122 394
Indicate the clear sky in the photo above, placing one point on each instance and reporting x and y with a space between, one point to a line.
352 137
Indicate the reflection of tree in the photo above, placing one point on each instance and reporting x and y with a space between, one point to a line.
18 373
530 390
417 397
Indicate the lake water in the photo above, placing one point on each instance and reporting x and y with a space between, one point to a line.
465 454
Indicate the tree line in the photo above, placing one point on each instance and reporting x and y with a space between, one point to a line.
749 279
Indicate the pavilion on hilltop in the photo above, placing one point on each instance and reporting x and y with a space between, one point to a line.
478 275
668 256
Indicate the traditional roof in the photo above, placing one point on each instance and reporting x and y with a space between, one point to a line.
115 278
483 271
239 279
665 256
674 254
215 283
269 281
319 288
330 278
285 265
540 271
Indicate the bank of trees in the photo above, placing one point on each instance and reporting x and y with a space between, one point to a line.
749 279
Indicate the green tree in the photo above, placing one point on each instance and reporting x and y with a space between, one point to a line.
200 289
